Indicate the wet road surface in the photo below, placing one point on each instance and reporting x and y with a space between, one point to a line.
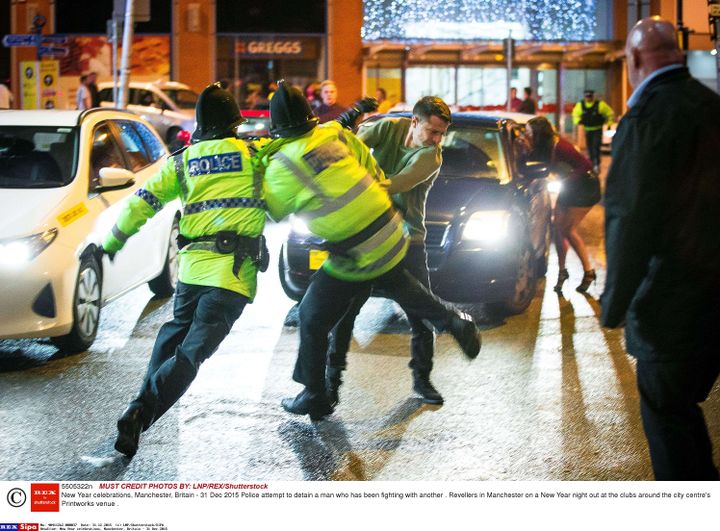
550 397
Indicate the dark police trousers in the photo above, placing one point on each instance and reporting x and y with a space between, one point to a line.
593 139
680 447
329 298
423 339
203 316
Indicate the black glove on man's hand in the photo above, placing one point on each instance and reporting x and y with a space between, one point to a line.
366 104
100 252
347 119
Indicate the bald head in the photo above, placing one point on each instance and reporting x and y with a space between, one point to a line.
651 44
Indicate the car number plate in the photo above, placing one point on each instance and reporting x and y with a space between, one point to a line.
317 258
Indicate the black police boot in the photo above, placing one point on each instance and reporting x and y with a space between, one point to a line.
129 426
333 381
423 387
467 335
308 403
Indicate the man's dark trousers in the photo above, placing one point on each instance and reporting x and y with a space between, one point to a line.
670 391
593 139
423 339
203 317
328 299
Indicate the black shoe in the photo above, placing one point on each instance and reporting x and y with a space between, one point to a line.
563 275
308 403
423 387
588 278
333 381
465 332
129 428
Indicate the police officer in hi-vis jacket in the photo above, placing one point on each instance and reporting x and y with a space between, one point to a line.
328 177
221 249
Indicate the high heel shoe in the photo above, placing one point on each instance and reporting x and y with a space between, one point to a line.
563 275
588 278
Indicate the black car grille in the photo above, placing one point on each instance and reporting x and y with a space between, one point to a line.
436 232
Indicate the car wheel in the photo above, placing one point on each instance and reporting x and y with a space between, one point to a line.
164 284
86 309
282 269
525 283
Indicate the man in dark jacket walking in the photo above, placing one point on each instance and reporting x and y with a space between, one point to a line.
663 248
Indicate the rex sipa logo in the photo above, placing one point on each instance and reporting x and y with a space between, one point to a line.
45 497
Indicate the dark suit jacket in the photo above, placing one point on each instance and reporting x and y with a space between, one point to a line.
662 222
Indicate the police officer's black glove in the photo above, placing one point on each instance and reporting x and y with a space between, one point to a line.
347 119
99 252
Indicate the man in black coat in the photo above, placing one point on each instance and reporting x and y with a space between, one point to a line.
662 225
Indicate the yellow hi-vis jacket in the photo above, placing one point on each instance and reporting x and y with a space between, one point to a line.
220 192
329 178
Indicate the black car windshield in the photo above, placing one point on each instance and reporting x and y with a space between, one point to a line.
37 157
474 152
183 98
254 126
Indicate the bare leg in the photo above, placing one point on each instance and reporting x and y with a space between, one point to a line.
575 215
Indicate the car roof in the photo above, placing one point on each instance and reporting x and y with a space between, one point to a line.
255 113
60 118
149 85
487 118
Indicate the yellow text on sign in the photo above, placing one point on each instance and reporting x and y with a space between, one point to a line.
72 214
317 258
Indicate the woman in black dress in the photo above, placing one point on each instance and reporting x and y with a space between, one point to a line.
580 191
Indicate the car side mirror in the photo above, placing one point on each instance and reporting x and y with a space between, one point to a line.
114 179
534 170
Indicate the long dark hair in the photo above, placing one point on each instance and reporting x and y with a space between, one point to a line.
544 135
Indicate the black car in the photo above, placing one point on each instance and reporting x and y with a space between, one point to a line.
488 221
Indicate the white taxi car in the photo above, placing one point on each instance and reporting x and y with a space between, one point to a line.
168 105
64 177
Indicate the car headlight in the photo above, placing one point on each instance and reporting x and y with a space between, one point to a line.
554 186
298 226
20 251
487 226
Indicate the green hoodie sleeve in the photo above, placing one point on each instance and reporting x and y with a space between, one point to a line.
159 190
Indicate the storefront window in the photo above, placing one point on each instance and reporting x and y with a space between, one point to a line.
430 81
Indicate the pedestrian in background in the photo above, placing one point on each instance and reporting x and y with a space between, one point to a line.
384 104
592 114
514 102
93 89
82 96
329 109
663 248
580 191
528 105
6 97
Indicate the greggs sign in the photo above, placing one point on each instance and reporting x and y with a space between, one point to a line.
261 48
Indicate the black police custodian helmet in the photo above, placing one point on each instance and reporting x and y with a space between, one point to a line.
217 114
290 112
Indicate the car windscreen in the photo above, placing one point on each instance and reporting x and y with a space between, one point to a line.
183 98
37 157
473 152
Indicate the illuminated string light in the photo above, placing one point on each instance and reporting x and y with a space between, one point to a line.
453 20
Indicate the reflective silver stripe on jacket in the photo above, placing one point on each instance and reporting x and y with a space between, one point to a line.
330 205
150 199
180 173
383 260
200 246
119 235
229 202
378 238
